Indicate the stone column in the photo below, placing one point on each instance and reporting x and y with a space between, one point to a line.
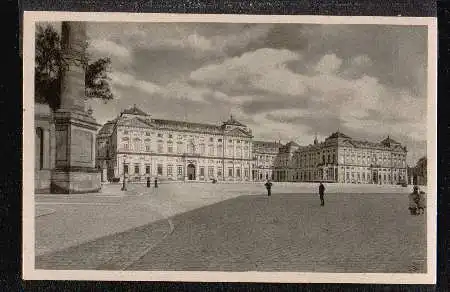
75 128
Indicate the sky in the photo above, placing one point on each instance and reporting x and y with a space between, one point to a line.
284 81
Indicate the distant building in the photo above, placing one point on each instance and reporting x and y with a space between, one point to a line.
265 155
342 159
420 172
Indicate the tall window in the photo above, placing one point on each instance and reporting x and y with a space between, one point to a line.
202 171
211 150
147 145
238 151
147 169
202 148
125 168
230 171
238 172
169 170
219 171
180 170
136 169
160 169
211 171
160 146
219 150
230 150
180 147
169 147
136 144
246 172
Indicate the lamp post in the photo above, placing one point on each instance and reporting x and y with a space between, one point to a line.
124 184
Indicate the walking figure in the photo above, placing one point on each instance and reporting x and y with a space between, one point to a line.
156 182
416 202
321 193
268 185
148 182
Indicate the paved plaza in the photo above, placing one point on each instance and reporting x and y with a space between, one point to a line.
232 227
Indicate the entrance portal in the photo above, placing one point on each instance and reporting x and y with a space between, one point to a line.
191 172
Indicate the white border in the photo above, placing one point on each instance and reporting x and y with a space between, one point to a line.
28 269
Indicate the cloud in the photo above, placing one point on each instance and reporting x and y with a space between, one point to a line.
328 64
128 80
109 48
261 70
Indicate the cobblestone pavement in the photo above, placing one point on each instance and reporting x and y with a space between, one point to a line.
230 228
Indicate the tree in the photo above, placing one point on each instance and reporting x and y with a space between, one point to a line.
48 65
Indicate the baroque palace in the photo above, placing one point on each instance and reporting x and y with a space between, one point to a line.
137 146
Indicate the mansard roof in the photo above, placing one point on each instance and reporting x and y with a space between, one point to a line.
267 143
388 141
292 143
338 135
232 121
185 125
134 111
107 128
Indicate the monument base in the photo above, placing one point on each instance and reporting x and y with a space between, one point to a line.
76 181
42 181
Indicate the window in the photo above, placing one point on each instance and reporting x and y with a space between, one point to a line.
160 135
160 146
170 136
211 171
147 148
211 139
180 147
211 150
169 170
246 172
137 144
136 169
230 171
219 171
202 148
219 140
125 132
180 170
230 150
202 171
147 169
219 150
169 147
125 168
147 133
160 169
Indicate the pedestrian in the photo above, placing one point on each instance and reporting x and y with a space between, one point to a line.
421 203
156 182
148 182
321 194
268 185
414 198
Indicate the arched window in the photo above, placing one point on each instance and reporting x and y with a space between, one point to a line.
39 144
137 144
147 145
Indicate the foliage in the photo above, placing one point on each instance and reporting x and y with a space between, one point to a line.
48 64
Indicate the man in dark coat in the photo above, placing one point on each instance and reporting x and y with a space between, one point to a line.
414 199
321 194
268 185
156 182
148 182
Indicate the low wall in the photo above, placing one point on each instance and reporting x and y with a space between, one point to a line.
73 182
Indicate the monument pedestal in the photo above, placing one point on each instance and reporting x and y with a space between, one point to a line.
75 170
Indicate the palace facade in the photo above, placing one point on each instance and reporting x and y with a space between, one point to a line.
342 159
137 146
